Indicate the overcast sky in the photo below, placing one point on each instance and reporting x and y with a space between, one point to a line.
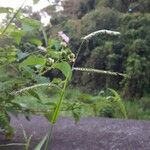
17 3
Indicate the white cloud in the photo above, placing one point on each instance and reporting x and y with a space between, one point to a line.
17 3
45 18
14 3
37 7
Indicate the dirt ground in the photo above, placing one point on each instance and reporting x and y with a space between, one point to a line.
88 134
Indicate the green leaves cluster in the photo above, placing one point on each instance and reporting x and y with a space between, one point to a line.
27 63
23 70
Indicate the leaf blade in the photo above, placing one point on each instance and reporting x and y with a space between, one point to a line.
39 146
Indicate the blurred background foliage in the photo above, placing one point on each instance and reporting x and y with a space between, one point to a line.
128 53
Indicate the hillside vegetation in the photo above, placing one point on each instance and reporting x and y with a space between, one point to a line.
128 53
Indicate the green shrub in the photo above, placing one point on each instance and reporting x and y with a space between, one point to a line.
101 18
145 102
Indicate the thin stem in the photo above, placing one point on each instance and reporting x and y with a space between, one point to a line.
28 142
56 113
13 144
45 36
11 20
49 138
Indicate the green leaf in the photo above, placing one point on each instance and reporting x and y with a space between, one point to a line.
48 115
85 98
56 80
39 146
11 28
54 44
7 85
76 116
35 41
35 1
50 104
33 60
26 27
29 24
118 102
65 68
21 55
34 94
58 107
53 54
17 35
5 10
27 72
41 79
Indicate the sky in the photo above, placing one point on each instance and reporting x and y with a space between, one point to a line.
37 7
17 3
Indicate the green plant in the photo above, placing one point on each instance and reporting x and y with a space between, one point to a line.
23 72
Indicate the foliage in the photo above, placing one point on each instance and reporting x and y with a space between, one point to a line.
22 70
78 8
136 110
101 18
128 53
30 62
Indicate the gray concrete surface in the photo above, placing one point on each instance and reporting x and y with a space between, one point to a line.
88 134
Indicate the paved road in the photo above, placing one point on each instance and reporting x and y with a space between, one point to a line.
88 134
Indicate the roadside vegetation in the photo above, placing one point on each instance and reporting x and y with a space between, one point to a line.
91 60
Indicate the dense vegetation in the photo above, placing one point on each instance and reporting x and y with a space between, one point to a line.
30 61
128 53
37 66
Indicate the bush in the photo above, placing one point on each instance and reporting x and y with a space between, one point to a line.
145 102
101 18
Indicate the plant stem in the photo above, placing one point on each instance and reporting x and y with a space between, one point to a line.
45 36
56 113
28 143
57 110
13 144
49 138
14 16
